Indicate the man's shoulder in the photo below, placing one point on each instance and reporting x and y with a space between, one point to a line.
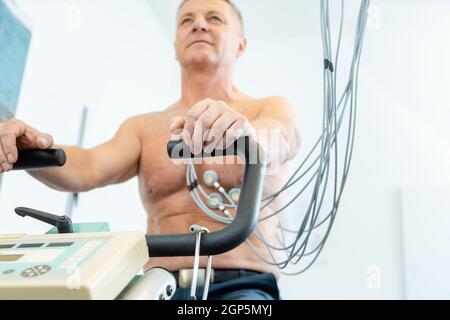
152 118
264 101
274 100
144 118
273 103
143 122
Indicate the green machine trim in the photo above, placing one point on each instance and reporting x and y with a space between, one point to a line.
85 228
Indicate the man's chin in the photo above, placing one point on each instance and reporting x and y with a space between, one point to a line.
201 60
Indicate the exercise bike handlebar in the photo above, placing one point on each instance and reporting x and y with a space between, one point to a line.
213 243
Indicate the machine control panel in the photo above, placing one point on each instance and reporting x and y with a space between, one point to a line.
70 266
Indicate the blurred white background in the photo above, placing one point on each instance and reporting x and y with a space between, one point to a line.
391 238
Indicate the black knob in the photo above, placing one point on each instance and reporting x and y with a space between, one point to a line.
62 223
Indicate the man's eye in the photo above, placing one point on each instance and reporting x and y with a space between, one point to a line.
216 18
186 21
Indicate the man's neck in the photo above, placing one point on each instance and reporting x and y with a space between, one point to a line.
200 84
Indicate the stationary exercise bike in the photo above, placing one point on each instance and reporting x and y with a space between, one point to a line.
87 261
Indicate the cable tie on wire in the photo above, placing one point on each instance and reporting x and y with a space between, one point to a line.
329 65
193 185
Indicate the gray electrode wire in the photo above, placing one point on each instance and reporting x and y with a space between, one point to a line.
334 113
285 229
335 207
197 198
345 95
351 129
289 184
355 67
193 177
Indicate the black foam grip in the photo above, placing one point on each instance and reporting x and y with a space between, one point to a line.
180 150
38 159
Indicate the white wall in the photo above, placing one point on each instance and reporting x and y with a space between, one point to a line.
114 63
108 55
402 140
426 239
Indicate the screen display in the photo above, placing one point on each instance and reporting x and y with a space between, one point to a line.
10 257
14 44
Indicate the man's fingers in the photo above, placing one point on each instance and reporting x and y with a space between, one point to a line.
45 141
31 139
204 123
9 132
187 131
4 163
34 139
213 140
176 135
214 121
197 109
176 123
237 130
15 135
176 128
216 134
191 118
8 152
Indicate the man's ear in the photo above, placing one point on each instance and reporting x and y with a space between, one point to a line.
242 47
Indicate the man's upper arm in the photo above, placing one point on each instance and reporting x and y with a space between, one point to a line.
281 114
279 108
118 159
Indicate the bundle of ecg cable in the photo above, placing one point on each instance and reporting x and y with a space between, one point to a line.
321 176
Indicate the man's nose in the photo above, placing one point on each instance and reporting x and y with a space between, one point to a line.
200 24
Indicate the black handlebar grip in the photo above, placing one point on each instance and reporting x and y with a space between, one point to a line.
180 150
38 159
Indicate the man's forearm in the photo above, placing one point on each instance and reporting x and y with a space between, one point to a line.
74 176
280 139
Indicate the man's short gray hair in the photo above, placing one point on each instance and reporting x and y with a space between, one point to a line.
232 5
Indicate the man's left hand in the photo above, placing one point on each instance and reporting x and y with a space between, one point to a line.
210 125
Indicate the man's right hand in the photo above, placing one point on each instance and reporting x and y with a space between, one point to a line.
16 135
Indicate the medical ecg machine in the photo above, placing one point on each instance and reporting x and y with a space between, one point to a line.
70 266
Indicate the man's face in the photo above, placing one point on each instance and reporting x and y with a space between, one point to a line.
208 33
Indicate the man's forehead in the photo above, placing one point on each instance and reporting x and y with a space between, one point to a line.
196 6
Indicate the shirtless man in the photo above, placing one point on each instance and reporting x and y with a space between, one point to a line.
209 41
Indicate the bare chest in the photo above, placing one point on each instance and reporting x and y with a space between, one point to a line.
161 176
